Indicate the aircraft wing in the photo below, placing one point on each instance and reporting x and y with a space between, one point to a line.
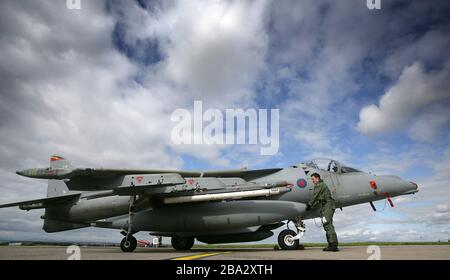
166 184
102 173
201 190
61 173
242 173
90 179
43 202
246 174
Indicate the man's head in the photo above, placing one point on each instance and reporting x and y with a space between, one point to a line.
315 178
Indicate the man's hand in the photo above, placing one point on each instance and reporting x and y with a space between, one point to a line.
308 207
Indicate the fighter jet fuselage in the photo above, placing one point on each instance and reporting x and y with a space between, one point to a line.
211 206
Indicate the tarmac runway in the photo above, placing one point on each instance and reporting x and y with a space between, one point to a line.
409 252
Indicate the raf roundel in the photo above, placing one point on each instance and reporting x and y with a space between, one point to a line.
301 183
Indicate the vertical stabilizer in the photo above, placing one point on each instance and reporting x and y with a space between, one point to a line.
52 221
58 187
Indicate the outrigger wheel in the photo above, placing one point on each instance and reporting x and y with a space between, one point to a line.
128 245
182 243
286 240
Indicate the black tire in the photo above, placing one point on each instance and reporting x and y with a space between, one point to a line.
128 246
285 240
182 243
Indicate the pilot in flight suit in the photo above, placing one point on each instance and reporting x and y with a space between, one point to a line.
322 197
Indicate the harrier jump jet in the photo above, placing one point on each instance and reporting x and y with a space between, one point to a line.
210 206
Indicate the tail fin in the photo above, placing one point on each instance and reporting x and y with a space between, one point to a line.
58 187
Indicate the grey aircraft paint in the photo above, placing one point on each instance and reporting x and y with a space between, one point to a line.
212 206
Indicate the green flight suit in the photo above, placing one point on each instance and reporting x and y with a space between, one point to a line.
322 197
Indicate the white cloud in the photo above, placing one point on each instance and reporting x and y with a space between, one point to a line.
216 49
397 161
431 48
402 199
77 88
415 91
316 62
442 208
430 124
212 50
317 140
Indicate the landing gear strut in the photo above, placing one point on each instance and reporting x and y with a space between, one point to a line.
182 243
289 239
129 242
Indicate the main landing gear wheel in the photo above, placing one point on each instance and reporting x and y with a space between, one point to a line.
182 243
286 240
128 245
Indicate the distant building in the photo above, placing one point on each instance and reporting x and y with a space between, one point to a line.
157 241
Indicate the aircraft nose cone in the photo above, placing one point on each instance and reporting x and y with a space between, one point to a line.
404 187
413 188
393 185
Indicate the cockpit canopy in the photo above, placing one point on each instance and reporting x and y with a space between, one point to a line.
329 165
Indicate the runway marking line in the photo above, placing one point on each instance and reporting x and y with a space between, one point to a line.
198 256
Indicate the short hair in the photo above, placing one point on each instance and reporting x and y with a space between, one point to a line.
316 175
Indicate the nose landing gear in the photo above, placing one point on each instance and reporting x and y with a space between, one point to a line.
289 239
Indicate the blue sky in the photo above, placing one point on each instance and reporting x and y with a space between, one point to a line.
98 85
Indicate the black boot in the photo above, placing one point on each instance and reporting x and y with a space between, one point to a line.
329 245
334 243
333 247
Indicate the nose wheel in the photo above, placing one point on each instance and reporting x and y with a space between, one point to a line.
286 240
289 239
128 244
